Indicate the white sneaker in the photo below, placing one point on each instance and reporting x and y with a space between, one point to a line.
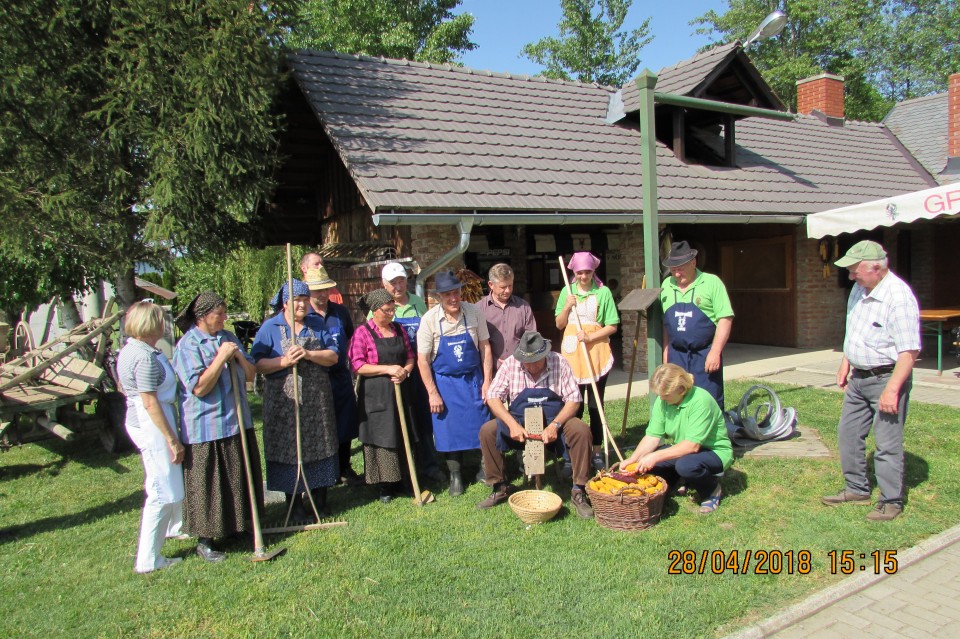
162 562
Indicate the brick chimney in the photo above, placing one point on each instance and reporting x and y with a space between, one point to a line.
823 93
953 116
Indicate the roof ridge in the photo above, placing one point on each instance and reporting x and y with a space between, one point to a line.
448 67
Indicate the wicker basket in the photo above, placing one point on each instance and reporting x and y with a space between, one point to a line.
535 506
627 512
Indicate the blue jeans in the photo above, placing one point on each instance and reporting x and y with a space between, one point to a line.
698 470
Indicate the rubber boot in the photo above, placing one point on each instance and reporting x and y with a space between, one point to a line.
320 501
456 479
298 514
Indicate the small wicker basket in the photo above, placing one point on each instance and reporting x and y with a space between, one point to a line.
535 506
627 512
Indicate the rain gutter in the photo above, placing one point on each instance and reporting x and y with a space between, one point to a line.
464 225
561 219
721 107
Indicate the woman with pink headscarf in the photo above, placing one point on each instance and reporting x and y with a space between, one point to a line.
593 302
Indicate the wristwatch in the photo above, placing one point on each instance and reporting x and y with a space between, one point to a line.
555 423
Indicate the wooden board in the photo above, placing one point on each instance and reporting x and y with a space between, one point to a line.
44 397
533 454
76 374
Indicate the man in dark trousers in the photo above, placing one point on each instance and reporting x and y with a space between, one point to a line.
535 376
880 347
697 319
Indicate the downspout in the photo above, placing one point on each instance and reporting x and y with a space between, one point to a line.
464 226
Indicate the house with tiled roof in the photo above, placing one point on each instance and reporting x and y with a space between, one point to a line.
455 166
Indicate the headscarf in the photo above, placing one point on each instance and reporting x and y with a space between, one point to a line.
374 300
300 289
200 306
585 261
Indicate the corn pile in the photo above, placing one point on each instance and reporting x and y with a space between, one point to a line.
627 482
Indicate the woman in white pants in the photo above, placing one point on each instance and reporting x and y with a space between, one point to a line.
150 385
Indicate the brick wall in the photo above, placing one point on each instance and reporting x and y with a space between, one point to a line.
821 301
631 275
822 92
429 243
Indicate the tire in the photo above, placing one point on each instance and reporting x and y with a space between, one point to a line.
112 410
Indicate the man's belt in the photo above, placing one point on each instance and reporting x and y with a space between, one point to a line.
872 372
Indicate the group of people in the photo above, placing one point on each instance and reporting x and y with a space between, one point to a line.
460 375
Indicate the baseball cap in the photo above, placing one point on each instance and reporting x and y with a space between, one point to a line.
865 250
392 271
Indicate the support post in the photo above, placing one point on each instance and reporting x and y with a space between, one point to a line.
646 82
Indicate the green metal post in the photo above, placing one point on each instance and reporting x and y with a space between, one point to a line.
646 81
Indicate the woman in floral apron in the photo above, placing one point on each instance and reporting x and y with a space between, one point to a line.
593 302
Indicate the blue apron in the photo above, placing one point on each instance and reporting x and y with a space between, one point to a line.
458 374
344 400
690 334
529 398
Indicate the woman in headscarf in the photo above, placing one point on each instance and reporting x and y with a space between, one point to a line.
216 503
593 302
150 385
380 353
276 349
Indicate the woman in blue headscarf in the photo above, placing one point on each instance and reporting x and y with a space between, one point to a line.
276 349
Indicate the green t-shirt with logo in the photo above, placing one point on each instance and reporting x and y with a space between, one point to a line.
707 292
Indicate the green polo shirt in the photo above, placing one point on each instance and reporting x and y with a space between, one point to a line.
707 292
606 307
415 307
697 418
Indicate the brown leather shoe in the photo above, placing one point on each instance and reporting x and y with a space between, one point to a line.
580 503
845 497
500 494
885 512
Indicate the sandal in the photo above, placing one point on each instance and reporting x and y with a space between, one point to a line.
712 502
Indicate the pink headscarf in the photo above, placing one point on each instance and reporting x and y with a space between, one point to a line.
585 261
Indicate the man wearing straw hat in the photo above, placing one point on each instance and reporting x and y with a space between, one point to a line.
336 319
697 319
535 376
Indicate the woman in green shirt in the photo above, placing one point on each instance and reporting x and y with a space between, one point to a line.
689 417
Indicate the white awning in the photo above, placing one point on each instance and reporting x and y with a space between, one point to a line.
921 205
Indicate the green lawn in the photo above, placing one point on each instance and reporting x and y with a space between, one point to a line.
69 516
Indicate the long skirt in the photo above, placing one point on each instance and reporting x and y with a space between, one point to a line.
319 474
216 503
381 465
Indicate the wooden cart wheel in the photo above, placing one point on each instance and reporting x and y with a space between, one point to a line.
112 411
109 308
22 340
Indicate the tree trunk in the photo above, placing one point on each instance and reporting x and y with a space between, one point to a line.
69 313
124 287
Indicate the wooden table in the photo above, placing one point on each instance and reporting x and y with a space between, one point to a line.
931 323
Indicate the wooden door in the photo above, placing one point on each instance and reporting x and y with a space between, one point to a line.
759 276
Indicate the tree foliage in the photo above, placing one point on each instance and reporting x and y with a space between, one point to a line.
134 128
422 30
886 50
591 47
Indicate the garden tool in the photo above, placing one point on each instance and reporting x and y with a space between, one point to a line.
259 550
420 498
607 435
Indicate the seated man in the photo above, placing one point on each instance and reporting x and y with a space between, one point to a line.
535 376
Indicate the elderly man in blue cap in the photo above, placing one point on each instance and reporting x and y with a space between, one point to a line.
881 345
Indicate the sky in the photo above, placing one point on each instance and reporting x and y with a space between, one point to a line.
502 27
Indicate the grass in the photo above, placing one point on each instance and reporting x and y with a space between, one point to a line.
69 516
